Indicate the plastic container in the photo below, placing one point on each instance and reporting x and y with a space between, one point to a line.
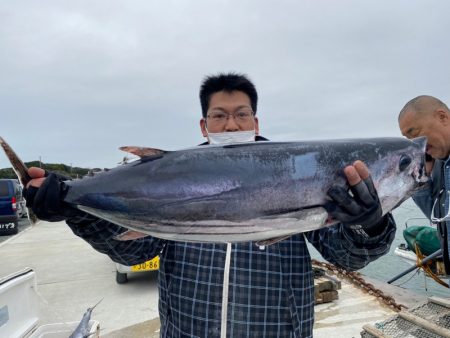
63 330
19 304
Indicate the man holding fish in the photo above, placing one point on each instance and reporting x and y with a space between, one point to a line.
237 289
428 116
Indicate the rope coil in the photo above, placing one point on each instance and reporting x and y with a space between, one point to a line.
427 267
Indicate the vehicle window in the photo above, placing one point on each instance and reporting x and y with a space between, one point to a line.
4 191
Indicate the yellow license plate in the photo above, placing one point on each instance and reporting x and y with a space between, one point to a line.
150 265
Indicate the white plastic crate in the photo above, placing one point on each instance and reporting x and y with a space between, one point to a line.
18 304
63 330
19 307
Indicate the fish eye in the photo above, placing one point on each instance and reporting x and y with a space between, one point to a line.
404 163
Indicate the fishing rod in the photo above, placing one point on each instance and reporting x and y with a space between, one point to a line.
436 254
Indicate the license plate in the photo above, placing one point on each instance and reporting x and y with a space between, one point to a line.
7 226
150 265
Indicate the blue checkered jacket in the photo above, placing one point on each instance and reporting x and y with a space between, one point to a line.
271 289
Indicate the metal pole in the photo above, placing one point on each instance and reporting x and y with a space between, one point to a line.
426 259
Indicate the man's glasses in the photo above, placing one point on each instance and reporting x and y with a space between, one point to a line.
241 116
436 219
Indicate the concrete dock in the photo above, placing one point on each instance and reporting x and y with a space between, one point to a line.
72 276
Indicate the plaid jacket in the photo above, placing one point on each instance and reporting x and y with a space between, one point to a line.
271 289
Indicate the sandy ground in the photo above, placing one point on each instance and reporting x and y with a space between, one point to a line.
71 276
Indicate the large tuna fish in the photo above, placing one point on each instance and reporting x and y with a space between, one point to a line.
242 192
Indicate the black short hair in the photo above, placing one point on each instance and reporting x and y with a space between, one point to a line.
227 82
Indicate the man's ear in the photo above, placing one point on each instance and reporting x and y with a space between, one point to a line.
203 127
442 116
256 126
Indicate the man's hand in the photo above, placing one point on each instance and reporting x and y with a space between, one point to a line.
38 177
44 195
362 207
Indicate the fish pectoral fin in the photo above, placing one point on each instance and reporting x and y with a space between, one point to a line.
142 151
271 241
130 235
300 214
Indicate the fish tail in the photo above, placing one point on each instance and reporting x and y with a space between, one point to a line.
92 308
18 166
20 169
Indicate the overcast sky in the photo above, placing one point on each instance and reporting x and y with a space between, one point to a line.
78 79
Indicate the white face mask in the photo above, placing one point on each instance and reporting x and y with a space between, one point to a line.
232 137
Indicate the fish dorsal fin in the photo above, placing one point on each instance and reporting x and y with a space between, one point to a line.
142 151
271 241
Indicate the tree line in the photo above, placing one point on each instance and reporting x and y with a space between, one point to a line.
63 169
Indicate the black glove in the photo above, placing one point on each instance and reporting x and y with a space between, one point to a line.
360 211
47 200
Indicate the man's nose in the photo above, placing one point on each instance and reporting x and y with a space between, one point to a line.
231 124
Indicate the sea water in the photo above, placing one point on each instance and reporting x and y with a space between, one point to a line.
390 265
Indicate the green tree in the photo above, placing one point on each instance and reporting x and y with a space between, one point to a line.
64 169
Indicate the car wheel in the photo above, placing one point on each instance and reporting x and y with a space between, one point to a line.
121 278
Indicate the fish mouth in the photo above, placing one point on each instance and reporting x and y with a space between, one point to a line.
419 173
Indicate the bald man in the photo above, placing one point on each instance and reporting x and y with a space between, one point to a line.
428 116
